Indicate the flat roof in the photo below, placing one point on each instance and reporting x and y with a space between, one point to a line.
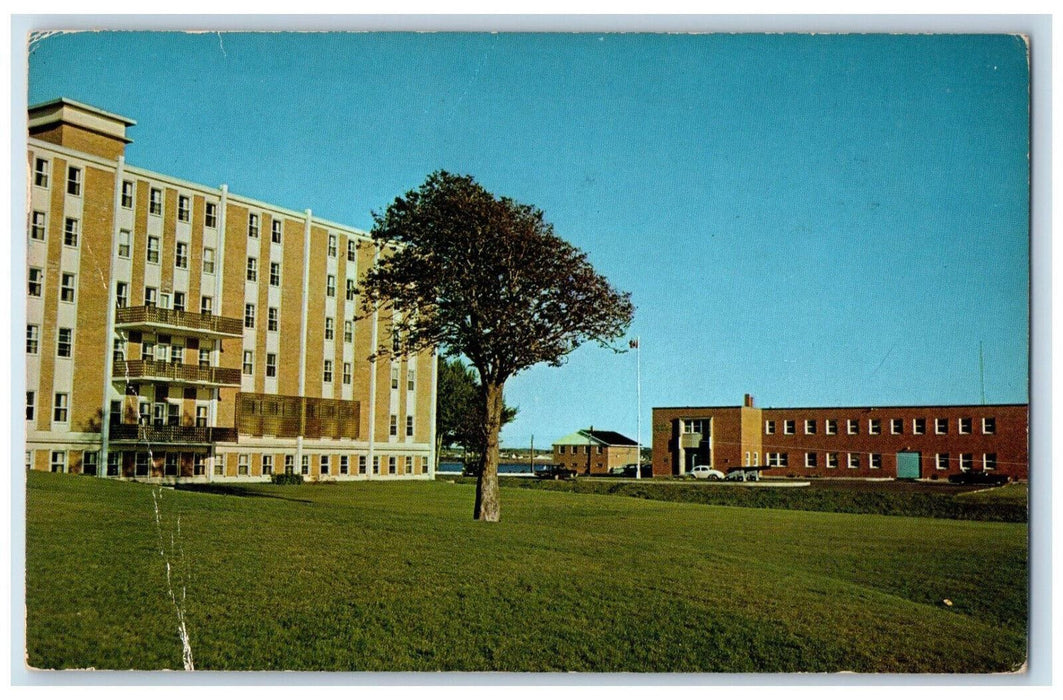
81 105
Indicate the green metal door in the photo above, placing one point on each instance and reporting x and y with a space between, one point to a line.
908 465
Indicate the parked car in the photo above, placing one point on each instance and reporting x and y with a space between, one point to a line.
631 470
703 472
979 477
555 472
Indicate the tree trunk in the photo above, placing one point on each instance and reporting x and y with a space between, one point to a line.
487 503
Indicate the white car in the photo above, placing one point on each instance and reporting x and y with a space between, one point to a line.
703 472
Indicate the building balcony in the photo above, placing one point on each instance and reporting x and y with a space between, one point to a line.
176 373
170 434
154 318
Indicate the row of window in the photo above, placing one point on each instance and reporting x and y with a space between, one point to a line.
854 460
67 284
575 449
875 425
60 406
171 460
64 341
42 171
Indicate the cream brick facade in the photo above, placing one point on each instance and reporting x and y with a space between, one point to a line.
180 331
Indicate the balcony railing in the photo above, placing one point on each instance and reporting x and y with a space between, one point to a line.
148 317
176 372
171 434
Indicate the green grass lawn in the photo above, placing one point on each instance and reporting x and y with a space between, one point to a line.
396 576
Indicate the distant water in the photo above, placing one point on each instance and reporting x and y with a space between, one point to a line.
505 468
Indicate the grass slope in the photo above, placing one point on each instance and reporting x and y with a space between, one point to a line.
396 576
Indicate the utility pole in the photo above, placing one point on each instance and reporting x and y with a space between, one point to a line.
638 407
531 456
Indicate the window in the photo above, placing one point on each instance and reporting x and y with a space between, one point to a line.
249 315
70 232
275 230
852 426
177 353
252 225
409 430
332 245
394 377
153 249
121 297
561 449
118 351
33 336
90 463
201 416
272 316
346 372
64 342
252 269
777 459
204 356
376 464
181 256
361 464
242 464
206 305
941 426
810 460
147 351
59 412
267 464
170 464
141 468
178 301
249 362
306 464
393 425
391 465
810 427
941 461
918 426
155 202
350 290
38 225
183 211
66 287
208 261
344 464
896 426
31 403
395 345
348 331
964 426
73 181
327 374
409 464
874 426
289 464
40 172
411 379
330 329
271 364
966 462
127 194
854 460
989 461
210 215
874 460
788 427
351 251
114 459
274 274
769 427
832 460
59 461
36 281
124 237
830 426
324 464
330 285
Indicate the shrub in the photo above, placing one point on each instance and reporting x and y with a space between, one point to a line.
288 479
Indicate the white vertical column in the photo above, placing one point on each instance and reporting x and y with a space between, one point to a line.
374 335
432 415
304 315
112 293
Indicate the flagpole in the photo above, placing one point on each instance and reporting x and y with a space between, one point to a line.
638 409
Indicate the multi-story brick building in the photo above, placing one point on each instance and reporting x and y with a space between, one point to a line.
867 442
179 330
595 451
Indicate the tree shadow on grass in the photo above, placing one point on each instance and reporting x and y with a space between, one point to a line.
237 490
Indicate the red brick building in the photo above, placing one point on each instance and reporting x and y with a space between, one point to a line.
866 442
595 451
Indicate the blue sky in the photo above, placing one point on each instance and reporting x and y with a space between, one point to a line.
812 219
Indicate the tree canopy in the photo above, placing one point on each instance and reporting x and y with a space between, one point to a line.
488 278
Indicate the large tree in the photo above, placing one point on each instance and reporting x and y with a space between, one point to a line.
488 278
